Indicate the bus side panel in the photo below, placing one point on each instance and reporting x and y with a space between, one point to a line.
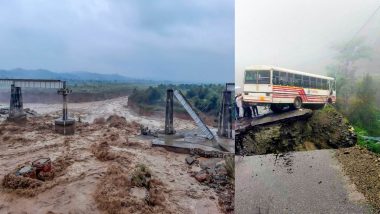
316 96
287 94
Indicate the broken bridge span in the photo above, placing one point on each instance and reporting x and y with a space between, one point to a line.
64 125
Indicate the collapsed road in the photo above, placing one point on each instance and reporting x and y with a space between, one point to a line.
297 130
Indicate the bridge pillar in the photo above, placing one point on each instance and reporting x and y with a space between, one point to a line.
65 125
169 129
225 116
16 111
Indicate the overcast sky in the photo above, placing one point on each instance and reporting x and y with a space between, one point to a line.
177 40
298 34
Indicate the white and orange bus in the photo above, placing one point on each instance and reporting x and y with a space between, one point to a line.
281 88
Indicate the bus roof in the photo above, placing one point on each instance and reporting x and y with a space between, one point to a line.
269 67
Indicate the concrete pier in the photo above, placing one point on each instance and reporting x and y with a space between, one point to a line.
65 125
225 116
16 112
169 129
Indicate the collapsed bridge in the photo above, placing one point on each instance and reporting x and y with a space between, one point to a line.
64 125
222 140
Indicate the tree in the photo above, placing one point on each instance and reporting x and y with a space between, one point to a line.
154 95
363 110
344 70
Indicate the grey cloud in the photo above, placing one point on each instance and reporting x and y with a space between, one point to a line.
145 39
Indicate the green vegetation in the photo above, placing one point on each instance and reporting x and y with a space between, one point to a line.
363 112
356 94
328 109
97 87
84 91
371 145
206 98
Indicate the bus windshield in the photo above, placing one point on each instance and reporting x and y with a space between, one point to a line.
257 77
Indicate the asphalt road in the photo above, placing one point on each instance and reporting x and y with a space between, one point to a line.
298 182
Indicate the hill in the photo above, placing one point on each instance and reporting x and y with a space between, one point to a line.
20 73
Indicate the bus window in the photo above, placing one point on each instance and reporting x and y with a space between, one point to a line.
257 77
324 84
298 80
291 79
313 83
263 77
306 81
276 77
251 77
332 85
283 78
319 83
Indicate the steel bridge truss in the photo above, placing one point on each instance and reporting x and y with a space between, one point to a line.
32 83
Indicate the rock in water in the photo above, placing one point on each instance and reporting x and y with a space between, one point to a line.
189 160
201 176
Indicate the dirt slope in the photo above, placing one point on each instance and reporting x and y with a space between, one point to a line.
363 168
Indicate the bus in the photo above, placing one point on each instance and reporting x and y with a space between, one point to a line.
281 88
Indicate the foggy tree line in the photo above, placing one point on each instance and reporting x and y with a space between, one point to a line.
357 96
204 97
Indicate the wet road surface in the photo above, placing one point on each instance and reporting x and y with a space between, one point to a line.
297 182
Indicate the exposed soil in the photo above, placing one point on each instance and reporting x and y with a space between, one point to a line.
363 168
325 129
75 186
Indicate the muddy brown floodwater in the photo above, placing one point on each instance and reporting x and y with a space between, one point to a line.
75 188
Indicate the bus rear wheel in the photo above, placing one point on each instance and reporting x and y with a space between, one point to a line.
297 104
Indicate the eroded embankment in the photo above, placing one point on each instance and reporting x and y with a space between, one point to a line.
325 128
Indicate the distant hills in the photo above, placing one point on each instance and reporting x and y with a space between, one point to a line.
20 73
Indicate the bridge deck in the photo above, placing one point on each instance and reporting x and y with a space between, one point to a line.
245 124
32 83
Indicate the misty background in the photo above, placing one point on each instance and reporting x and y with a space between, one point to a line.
156 40
301 34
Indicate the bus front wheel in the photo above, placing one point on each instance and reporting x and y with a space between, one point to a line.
276 108
297 104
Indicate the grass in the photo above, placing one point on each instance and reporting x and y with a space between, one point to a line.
371 145
329 109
